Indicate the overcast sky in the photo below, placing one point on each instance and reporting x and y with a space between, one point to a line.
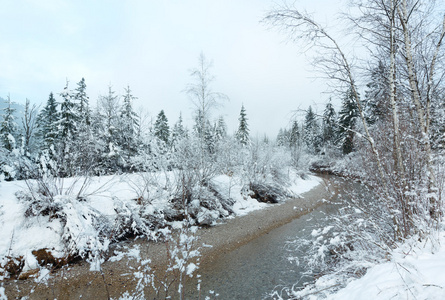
152 46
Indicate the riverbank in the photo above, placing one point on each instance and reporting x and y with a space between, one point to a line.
118 274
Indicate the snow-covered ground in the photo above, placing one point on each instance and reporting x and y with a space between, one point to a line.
415 271
104 199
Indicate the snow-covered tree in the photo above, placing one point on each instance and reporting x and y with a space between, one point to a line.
83 102
179 132
376 104
311 131
282 137
47 123
329 125
220 129
347 118
161 128
294 135
69 117
129 122
8 127
202 95
28 127
242 134
106 129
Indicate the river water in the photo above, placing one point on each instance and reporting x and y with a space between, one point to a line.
255 269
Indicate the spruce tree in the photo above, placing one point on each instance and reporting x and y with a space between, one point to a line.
242 134
128 124
69 117
161 128
294 135
47 123
376 104
83 102
347 118
220 129
106 130
8 127
281 138
311 134
329 124
67 149
178 131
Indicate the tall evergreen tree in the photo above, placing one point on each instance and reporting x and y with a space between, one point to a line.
294 135
311 128
67 152
329 124
47 123
83 102
161 128
242 134
69 117
128 125
377 94
106 129
283 138
178 131
8 127
220 129
347 118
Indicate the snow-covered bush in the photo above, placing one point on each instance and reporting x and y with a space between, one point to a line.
266 163
183 260
356 235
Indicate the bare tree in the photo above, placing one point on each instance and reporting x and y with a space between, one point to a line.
201 94
29 123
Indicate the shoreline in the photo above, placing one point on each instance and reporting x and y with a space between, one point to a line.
76 281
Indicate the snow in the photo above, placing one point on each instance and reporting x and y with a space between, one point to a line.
2 294
102 199
416 271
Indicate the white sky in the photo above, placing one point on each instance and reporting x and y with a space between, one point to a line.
151 46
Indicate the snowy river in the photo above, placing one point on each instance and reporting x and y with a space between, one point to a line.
261 266
255 269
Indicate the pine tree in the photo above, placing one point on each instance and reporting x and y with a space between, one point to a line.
8 127
106 124
128 124
282 138
242 134
161 128
220 129
311 134
178 132
376 104
47 123
329 124
69 117
86 144
67 149
83 102
294 135
347 118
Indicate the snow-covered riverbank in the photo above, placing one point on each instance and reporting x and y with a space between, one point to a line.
114 201
415 271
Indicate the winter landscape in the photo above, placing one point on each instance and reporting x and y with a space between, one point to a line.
251 191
